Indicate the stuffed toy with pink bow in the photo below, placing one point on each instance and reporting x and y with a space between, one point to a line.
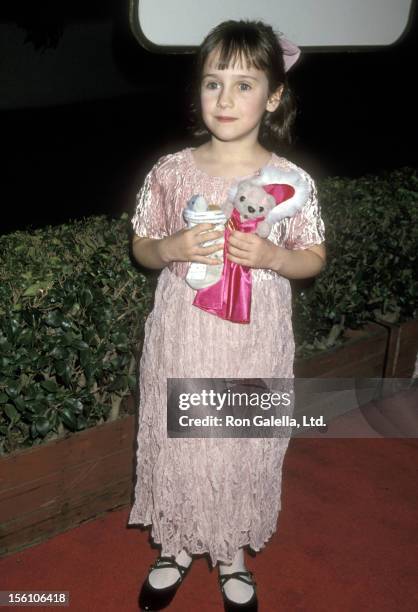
253 205
268 198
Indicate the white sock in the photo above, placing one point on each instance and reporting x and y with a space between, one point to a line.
167 576
235 589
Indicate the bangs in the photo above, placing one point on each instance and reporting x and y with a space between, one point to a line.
235 52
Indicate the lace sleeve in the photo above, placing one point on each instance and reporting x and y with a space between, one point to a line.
149 218
306 228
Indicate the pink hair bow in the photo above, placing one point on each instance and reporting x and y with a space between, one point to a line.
291 52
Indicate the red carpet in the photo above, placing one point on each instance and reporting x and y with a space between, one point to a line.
347 540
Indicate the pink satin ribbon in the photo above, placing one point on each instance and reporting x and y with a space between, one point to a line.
230 297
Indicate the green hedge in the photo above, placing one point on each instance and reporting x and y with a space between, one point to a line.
73 303
72 308
371 274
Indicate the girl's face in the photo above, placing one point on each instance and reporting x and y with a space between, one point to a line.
234 100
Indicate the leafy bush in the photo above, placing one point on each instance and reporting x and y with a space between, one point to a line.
72 309
371 274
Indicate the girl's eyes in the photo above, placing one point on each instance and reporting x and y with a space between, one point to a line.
214 85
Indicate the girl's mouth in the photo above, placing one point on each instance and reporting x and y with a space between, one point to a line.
225 119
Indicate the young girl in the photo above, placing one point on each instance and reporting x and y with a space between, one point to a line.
218 495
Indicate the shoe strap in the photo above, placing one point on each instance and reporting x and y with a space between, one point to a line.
163 562
247 577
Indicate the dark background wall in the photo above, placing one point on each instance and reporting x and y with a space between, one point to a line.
85 110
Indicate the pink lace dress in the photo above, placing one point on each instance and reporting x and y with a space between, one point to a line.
210 495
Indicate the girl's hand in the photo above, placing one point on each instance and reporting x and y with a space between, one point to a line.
254 252
184 245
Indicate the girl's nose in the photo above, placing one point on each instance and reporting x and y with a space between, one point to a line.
224 98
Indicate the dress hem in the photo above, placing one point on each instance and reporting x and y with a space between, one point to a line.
214 559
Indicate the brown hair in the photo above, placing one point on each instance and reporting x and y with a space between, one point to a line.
257 44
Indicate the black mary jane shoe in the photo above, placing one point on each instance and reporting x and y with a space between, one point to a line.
151 598
232 606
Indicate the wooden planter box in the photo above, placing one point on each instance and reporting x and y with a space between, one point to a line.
362 355
56 486
402 349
